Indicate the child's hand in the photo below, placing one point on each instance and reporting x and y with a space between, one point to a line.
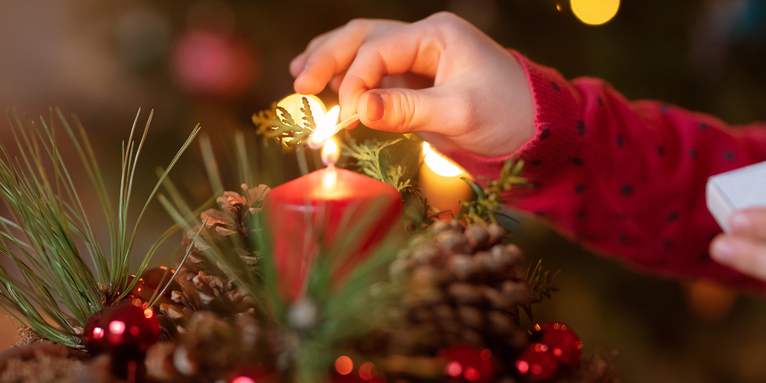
744 248
477 96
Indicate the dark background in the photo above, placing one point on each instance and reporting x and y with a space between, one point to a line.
217 62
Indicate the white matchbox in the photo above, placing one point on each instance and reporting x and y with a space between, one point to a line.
734 190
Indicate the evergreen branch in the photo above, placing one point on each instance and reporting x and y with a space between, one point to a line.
308 117
394 176
211 166
242 159
153 193
47 231
278 123
541 285
487 203
368 159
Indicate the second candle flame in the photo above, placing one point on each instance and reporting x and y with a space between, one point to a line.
330 152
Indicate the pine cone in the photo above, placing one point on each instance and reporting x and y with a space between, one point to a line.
463 288
202 284
210 348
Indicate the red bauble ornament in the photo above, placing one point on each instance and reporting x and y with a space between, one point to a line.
562 342
537 364
130 330
157 278
140 290
125 331
251 375
213 64
93 334
466 363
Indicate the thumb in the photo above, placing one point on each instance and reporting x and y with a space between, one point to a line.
402 110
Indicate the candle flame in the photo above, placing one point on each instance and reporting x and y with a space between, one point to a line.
439 164
330 152
325 128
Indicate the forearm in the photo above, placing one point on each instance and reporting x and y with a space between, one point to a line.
626 178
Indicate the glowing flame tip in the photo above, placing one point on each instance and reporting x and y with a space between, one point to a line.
439 164
330 152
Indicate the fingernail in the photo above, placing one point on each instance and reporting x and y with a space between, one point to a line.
376 107
740 223
723 251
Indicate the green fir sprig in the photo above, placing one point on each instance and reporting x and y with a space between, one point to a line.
278 123
47 234
541 285
488 200
368 157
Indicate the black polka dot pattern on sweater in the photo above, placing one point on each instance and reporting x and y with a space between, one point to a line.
581 127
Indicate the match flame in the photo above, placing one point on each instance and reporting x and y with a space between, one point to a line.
330 152
439 164
325 128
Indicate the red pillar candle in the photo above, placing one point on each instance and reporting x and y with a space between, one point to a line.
326 205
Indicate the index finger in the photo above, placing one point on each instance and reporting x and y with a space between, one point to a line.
410 49
333 52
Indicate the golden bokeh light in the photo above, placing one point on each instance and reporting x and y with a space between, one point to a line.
595 12
344 365
294 102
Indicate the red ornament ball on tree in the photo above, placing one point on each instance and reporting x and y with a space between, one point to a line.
562 342
158 277
124 330
465 363
93 334
249 374
537 364
213 64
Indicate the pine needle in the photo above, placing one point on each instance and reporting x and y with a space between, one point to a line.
488 200
47 232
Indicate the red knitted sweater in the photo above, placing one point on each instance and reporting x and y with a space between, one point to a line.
626 178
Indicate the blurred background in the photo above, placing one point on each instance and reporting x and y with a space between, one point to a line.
215 62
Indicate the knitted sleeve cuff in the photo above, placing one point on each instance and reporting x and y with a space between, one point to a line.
557 118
